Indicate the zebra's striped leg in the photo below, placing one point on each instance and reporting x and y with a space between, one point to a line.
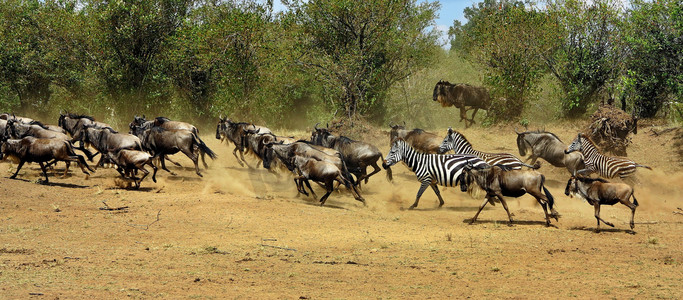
438 194
422 189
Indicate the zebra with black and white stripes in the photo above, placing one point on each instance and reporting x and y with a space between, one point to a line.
605 166
458 143
430 169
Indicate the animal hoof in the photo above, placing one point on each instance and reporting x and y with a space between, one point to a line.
509 224
411 207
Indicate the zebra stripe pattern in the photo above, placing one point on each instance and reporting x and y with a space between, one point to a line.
430 169
605 166
457 142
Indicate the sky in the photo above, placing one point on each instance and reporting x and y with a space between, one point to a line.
450 10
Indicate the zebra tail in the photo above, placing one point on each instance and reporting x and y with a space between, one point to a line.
643 166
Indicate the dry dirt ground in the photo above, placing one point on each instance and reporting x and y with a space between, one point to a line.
244 233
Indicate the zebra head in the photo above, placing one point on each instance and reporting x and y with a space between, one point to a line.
448 142
576 145
396 153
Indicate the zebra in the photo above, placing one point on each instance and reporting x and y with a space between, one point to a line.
605 166
430 169
457 142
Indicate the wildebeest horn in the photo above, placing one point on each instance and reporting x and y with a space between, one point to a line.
316 125
404 123
327 125
392 126
517 132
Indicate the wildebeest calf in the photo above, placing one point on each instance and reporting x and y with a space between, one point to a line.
31 149
499 181
323 172
598 191
129 160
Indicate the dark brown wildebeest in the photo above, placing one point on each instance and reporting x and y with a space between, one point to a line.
107 140
286 152
462 96
357 155
161 142
420 140
127 161
598 191
549 147
308 163
31 149
321 171
233 131
19 130
23 120
73 123
498 181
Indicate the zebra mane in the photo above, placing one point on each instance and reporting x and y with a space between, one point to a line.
588 139
463 138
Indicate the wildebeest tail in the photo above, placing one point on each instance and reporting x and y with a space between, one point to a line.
345 170
203 147
635 201
551 199
390 176
70 151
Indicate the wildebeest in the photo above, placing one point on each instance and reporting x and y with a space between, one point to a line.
234 131
128 161
140 124
357 155
498 181
430 169
108 140
161 142
605 166
319 165
420 140
549 147
7 117
462 96
598 191
41 150
457 142
17 130
73 123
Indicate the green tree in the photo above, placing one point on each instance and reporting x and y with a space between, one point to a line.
653 36
587 54
358 49
39 47
507 37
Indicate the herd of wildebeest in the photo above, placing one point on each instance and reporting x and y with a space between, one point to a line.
327 157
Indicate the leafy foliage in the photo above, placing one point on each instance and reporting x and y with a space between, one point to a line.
358 49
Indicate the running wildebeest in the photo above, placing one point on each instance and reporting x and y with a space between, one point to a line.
41 150
128 161
23 120
312 164
161 142
107 140
462 96
233 131
498 181
357 155
598 191
549 147
420 140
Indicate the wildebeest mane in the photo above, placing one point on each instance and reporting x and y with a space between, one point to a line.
591 179
34 122
77 116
